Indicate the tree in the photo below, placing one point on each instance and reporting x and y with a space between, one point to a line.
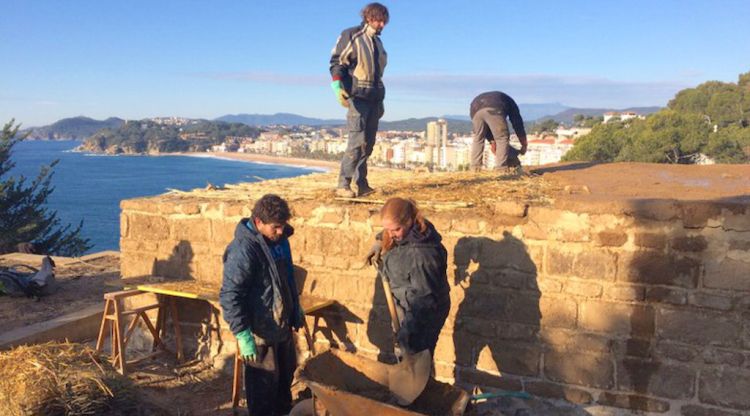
23 215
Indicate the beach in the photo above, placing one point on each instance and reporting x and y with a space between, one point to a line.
325 165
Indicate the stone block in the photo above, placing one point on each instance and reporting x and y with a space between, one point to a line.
655 209
510 209
222 231
332 217
559 261
516 332
610 238
561 339
677 352
666 295
337 262
651 267
469 226
198 230
710 300
652 378
695 214
725 387
510 358
148 227
617 318
625 292
698 328
696 410
727 274
738 221
230 210
692 244
591 370
533 231
740 245
558 312
136 264
144 205
559 391
633 402
124 226
549 285
584 289
635 347
596 264
650 240
719 356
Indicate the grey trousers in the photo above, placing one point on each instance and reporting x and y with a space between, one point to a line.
362 123
490 124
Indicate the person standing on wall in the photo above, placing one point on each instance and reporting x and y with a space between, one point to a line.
412 256
357 64
488 113
260 303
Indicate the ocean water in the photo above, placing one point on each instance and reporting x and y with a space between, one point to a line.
90 187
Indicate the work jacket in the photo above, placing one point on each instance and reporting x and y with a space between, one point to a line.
255 294
416 267
358 61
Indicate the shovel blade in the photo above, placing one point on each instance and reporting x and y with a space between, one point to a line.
407 379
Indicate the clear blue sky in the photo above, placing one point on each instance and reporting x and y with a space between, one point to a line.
135 59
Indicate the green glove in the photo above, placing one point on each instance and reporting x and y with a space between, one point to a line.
338 89
245 339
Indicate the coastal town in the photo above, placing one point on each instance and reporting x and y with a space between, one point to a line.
434 148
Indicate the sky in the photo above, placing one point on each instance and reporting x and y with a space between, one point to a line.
203 59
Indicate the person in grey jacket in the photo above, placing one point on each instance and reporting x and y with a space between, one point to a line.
488 112
260 303
415 261
357 64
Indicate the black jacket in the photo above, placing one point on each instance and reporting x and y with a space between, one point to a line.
253 293
416 267
503 103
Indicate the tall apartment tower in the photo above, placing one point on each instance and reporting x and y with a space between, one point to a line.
437 142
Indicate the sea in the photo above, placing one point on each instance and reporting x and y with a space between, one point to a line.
89 187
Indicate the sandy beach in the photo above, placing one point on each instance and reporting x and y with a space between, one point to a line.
323 165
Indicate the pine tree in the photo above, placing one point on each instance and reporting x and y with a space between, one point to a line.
24 216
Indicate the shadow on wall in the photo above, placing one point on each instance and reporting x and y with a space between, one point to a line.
497 325
379 330
177 266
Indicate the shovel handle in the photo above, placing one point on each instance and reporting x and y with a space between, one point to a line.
389 300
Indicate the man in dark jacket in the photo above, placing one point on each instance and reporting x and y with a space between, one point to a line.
260 303
488 113
357 64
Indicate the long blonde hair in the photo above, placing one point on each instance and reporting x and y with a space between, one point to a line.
402 211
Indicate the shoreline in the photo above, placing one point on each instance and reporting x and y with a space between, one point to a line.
315 164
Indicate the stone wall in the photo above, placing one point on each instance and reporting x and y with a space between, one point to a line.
643 307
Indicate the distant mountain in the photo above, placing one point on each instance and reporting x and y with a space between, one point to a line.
567 115
75 128
277 119
420 124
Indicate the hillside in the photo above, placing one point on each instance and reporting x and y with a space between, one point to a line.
75 128
148 137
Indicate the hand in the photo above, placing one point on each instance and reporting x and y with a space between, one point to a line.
523 149
341 94
493 147
246 342
374 255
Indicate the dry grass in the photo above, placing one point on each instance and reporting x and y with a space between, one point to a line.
64 379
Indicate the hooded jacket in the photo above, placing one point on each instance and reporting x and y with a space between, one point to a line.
416 267
358 61
254 295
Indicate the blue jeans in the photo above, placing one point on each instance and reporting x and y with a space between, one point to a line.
362 123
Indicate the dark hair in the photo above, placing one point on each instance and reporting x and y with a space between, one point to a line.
375 11
271 208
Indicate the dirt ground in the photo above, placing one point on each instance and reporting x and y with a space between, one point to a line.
82 284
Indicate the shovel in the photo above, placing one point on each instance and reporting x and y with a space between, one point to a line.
408 378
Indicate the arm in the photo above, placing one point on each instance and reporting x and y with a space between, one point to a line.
517 121
235 288
339 67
